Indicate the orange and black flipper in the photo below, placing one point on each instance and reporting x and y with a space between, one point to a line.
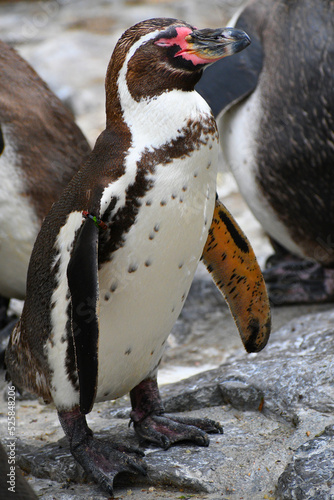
231 261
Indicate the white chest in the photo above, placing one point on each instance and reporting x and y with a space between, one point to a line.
239 131
19 225
143 289
144 286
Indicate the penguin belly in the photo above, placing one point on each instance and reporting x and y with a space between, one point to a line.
240 140
143 288
19 226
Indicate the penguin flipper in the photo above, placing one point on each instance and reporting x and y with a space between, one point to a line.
2 141
82 275
233 78
231 261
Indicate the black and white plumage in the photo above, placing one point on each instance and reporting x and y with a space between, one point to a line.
116 255
41 148
277 137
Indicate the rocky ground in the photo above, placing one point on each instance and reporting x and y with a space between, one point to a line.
276 407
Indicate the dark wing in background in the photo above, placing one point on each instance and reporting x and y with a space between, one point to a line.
232 78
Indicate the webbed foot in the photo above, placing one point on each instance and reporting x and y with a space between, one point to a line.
152 424
298 281
102 460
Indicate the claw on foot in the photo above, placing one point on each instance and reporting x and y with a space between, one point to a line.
102 460
153 425
165 430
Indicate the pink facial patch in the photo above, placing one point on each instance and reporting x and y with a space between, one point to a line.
187 52
195 58
179 40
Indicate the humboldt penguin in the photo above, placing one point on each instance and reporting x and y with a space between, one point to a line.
116 255
40 150
276 124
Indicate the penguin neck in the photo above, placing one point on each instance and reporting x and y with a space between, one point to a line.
147 126
130 92
154 120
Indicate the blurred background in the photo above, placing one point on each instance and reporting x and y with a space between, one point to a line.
69 43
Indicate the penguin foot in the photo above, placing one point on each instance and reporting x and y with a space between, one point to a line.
102 460
298 282
153 425
165 430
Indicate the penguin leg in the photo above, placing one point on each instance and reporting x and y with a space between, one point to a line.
102 460
298 281
151 423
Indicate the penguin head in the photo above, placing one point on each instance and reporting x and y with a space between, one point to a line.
190 50
162 54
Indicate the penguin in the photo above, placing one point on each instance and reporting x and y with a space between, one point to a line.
276 125
41 148
116 255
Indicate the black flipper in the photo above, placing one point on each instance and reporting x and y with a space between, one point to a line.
82 275
232 78
2 142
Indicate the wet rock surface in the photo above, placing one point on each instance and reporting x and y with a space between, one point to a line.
276 407
310 473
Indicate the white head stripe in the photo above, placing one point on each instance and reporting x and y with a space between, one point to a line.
123 92
144 39
152 122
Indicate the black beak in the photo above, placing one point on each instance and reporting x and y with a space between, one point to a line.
214 44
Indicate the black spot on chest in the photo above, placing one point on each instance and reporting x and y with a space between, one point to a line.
119 224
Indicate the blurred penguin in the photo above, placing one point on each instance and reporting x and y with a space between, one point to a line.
276 121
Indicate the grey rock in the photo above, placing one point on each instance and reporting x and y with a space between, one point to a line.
291 381
53 461
177 467
295 371
268 404
241 395
310 474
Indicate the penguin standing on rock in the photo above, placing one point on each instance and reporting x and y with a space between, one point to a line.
41 148
116 255
276 124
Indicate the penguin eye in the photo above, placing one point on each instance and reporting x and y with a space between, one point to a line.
176 36
164 42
